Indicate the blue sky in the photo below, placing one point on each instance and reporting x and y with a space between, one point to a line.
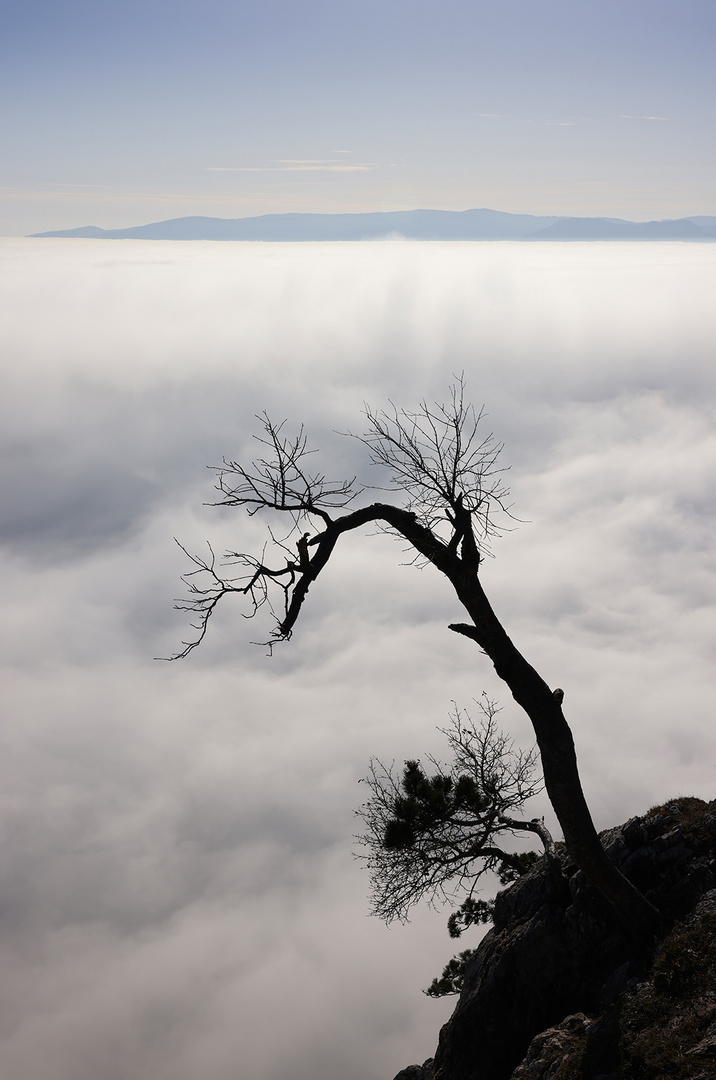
117 115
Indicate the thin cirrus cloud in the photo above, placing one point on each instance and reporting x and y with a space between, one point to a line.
298 165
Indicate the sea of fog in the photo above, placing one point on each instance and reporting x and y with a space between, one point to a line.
178 897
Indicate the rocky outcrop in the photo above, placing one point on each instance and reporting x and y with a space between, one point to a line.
552 1048
417 1072
556 991
662 1027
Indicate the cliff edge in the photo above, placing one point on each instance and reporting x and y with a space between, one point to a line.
556 991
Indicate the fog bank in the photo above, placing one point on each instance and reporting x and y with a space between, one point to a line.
178 897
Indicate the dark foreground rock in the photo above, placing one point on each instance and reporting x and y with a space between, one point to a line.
417 1072
556 991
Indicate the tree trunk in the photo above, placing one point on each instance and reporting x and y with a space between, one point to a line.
638 918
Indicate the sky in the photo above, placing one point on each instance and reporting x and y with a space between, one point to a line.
178 897
120 114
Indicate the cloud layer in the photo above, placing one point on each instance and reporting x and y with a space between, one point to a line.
178 897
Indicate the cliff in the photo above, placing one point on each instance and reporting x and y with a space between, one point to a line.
556 991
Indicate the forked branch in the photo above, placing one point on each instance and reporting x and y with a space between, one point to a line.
441 458
447 469
282 480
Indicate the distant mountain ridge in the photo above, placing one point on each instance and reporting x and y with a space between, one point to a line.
404 224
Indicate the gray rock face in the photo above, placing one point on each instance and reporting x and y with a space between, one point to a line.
417 1072
550 1047
556 950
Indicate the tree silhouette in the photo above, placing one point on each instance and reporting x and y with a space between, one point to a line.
433 836
449 490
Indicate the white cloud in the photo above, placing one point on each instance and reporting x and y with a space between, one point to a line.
178 895
298 165
628 116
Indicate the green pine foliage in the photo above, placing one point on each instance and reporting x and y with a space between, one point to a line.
453 976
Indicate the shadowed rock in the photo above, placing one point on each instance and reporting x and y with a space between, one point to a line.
556 983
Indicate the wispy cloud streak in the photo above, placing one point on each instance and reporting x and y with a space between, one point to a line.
298 165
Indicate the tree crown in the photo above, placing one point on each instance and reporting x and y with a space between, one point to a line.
438 460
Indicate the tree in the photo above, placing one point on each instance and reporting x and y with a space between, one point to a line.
430 837
448 487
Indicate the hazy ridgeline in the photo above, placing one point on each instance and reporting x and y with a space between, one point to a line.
177 896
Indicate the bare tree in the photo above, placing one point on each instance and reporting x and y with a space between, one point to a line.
448 487
433 837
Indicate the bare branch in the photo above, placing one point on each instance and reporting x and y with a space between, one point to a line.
440 458
448 469
282 481
206 587
279 481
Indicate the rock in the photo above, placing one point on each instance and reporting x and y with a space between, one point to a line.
705 1048
550 981
548 1050
417 1072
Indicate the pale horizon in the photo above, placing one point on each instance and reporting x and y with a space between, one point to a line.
118 117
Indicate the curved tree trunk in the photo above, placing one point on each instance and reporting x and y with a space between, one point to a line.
639 919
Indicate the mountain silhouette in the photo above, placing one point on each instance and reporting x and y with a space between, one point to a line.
403 224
